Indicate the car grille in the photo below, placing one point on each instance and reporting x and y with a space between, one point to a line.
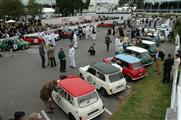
92 112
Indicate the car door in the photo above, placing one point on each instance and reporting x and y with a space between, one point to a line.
101 80
91 76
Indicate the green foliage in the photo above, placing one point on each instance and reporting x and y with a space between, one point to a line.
12 8
177 27
70 7
33 8
122 2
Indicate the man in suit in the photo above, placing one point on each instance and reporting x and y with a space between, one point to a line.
158 58
42 54
167 68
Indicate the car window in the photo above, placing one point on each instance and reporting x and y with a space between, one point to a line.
115 77
125 64
87 99
101 76
137 66
91 71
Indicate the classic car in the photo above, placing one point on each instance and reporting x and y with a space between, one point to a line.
77 98
105 77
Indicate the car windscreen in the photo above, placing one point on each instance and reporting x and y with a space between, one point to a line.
145 55
137 66
87 100
115 77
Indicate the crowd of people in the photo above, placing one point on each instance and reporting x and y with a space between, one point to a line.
122 33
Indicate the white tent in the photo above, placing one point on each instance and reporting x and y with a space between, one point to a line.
48 10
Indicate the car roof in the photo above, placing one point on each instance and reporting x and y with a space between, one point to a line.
105 67
127 58
137 49
148 42
76 86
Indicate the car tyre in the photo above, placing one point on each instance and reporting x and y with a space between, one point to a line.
128 78
23 48
103 92
71 117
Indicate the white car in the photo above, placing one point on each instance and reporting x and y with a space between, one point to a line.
78 99
105 77
155 33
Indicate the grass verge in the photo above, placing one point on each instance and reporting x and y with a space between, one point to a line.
148 100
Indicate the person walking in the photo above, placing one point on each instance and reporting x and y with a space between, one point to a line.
45 95
93 33
176 62
92 50
42 54
167 68
158 57
75 42
72 56
61 56
107 41
51 56
10 47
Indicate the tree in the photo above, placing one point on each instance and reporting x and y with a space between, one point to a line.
12 8
33 8
122 2
68 7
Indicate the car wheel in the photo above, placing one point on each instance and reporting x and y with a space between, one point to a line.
71 117
81 76
103 92
23 48
128 78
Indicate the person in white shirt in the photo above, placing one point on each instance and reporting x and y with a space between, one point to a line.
86 32
93 31
72 56
75 42
116 43
52 37
166 34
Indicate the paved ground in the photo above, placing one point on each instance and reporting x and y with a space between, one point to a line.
21 77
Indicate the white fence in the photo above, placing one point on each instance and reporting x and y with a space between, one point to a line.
176 91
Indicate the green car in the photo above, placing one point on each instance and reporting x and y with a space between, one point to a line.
150 46
18 44
140 53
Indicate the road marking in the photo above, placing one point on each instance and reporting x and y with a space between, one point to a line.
45 115
107 111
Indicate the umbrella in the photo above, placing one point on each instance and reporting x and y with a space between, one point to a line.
10 21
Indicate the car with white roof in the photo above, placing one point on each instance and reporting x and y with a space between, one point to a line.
140 53
150 46
77 98
105 77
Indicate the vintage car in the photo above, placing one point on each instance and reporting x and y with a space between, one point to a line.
150 46
140 53
131 66
33 38
17 44
105 77
155 33
102 24
77 98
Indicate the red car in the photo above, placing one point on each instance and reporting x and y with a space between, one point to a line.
104 25
33 38
131 66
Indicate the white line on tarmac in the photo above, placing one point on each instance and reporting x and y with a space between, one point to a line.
107 111
45 115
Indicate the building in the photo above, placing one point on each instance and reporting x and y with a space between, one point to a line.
42 2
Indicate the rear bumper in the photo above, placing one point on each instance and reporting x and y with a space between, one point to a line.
140 77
